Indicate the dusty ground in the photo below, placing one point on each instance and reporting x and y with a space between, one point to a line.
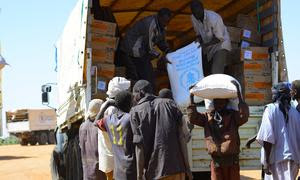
32 163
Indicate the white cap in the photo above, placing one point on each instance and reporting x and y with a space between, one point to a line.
94 108
116 85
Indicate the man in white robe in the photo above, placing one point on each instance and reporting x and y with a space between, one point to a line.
279 136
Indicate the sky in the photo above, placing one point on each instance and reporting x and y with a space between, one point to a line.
29 30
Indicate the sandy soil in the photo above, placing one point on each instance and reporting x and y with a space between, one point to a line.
25 162
32 163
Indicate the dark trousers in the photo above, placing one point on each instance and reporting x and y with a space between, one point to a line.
225 173
138 68
217 64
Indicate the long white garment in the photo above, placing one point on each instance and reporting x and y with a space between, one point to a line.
283 136
106 157
212 26
284 170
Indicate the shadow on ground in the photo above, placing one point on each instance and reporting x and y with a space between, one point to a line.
13 157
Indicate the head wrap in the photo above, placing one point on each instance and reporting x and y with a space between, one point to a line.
94 108
165 93
116 85
281 95
143 85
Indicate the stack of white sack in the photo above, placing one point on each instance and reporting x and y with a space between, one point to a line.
217 86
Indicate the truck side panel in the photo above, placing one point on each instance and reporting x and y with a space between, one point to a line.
42 119
17 127
70 50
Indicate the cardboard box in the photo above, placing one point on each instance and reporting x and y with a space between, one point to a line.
258 97
103 27
251 36
258 78
255 53
246 44
258 82
234 33
104 55
262 67
120 71
247 22
105 70
100 42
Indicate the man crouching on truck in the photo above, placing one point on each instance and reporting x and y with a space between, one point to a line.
138 45
221 135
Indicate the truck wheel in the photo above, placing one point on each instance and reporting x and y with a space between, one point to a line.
43 138
51 138
23 142
32 141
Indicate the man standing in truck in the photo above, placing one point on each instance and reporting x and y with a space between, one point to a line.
212 36
138 45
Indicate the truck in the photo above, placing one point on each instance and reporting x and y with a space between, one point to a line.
32 126
79 50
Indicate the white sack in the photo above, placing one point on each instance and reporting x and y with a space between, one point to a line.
185 70
216 86
233 104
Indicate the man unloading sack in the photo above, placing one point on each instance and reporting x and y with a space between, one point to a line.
138 45
212 36
221 135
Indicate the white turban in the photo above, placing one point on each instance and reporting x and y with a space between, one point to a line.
94 108
116 85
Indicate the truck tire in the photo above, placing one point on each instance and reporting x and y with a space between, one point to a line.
33 140
43 138
51 137
23 142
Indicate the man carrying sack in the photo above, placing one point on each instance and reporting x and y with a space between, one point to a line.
221 135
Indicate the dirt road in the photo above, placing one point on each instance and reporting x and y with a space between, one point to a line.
32 163
25 162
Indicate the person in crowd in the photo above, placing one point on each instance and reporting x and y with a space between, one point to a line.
184 131
88 142
118 127
278 134
295 93
165 93
221 135
57 165
116 85
139 45
212 36
155 123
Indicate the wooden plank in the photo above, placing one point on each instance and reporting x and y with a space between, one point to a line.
128 4
137 15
